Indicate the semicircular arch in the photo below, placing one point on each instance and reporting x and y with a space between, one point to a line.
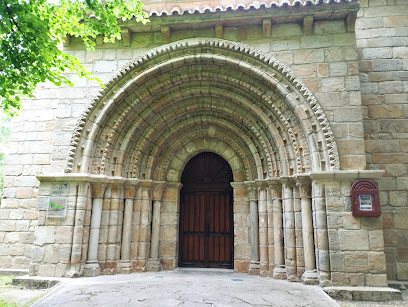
184 87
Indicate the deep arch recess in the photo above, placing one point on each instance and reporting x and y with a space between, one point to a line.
201 95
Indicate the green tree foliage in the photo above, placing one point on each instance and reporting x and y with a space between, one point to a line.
31 33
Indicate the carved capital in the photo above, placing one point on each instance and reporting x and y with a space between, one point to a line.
304 185
130 191
157 190
261 184
98 189
288 182
252 190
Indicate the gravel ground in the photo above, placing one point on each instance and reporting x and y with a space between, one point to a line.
10 295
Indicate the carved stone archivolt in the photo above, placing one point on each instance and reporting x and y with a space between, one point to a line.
203 95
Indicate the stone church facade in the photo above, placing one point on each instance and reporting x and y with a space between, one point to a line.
228 134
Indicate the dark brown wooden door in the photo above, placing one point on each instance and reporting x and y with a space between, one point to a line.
206 215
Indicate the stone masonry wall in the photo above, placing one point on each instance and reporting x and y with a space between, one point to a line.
382 41
325 60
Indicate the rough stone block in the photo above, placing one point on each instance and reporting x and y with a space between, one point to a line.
356 262
386 65
390 87
44 234
314 41
385 111
353 240
376 262
376 280
376 240
46 270
395 21
333 84
308 56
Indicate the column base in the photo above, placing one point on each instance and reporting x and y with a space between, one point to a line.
125 267
153 265
279 272
291 274
310 277
91 269
324 279
254 268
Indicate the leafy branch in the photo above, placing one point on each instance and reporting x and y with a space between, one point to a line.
31 32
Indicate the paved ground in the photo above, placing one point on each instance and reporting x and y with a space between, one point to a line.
184 288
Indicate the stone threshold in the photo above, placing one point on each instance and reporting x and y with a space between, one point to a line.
36 282
205 270
363 293
16 272
398 284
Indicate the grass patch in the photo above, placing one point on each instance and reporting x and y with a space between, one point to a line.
6 281
6 304
17 296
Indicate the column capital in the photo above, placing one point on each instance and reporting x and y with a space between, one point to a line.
158 189
252 189
287 181
174 185
130 191
303 179
261 184
304 184
98 189
274 183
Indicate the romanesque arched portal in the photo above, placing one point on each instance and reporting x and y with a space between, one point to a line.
133 142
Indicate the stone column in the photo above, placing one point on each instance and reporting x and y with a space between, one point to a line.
279 270
254 228
321 233
310 274
91 267
263 229
103 233
300 261
125 265
154 260
289 229
83 204
270 241
145 226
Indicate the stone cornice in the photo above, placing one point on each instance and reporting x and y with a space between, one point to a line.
347 174
178 15
80 177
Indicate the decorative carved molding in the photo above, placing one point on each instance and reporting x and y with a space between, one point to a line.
87 127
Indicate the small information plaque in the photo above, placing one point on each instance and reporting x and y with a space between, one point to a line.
366 202
56 204
57 207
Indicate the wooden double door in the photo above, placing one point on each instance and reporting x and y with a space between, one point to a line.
206 214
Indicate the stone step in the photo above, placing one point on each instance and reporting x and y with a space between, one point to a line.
363 293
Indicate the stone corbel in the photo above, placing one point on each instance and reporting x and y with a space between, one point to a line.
308 25
351 21
126 37
219 31
166 34
267 28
